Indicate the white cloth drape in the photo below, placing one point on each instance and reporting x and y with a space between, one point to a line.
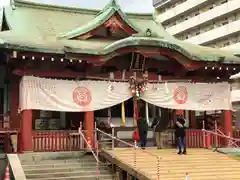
235 95
78 96
189 96
74 96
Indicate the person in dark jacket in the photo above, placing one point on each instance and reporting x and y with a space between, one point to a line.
181 134
143 131
156 125
160 124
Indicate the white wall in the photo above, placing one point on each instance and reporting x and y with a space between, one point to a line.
216 33
205 16
179 9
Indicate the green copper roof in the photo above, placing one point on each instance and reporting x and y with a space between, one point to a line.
1 17
37 27
108 11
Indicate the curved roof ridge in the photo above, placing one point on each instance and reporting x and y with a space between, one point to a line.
37 5
94 23
111 4
108 11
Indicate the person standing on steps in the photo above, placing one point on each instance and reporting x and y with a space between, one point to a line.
142 125
157 131
159 125
181 134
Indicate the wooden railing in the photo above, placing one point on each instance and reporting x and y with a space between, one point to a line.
236 134
9 137
64 140
45 141
194 137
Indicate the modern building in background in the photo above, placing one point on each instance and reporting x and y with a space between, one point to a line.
213 23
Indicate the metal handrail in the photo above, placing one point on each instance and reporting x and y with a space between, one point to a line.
134 146
219 133
89 146
126 143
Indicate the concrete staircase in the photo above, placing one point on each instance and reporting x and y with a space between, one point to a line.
64 166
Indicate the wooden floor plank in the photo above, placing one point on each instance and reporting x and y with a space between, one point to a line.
200 164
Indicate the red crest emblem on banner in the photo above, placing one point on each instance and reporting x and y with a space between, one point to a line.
180 95
82 96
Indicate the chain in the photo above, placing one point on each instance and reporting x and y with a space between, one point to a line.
135 155
158 168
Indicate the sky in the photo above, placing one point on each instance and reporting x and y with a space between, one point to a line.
4 2
142 6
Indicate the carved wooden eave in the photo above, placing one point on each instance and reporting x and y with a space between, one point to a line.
111 17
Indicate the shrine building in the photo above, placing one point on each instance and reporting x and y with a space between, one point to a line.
81 64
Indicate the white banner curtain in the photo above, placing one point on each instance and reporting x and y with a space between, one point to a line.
72 96
79 96
189 96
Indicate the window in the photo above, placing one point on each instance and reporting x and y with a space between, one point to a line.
224 1
224 22
46 120
226 44
197 12
211 6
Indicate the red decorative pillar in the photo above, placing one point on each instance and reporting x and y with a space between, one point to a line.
193 120
26 131
14 101
89 126
228 123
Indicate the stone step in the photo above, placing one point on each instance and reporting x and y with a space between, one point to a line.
63 166
67 169
52 155
70 165
54 161
100 177
66 174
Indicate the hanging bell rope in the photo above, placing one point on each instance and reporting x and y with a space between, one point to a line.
135 110
123 120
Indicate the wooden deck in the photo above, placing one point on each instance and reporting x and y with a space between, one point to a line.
200 164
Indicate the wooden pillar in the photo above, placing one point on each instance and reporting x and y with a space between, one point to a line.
89 126
193 119
119 174
14 102
26 131
228 123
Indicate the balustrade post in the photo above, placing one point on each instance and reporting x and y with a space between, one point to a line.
119 174
113 145
81 138
216 136
227 124
95 135
230 143
208 140
204 133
